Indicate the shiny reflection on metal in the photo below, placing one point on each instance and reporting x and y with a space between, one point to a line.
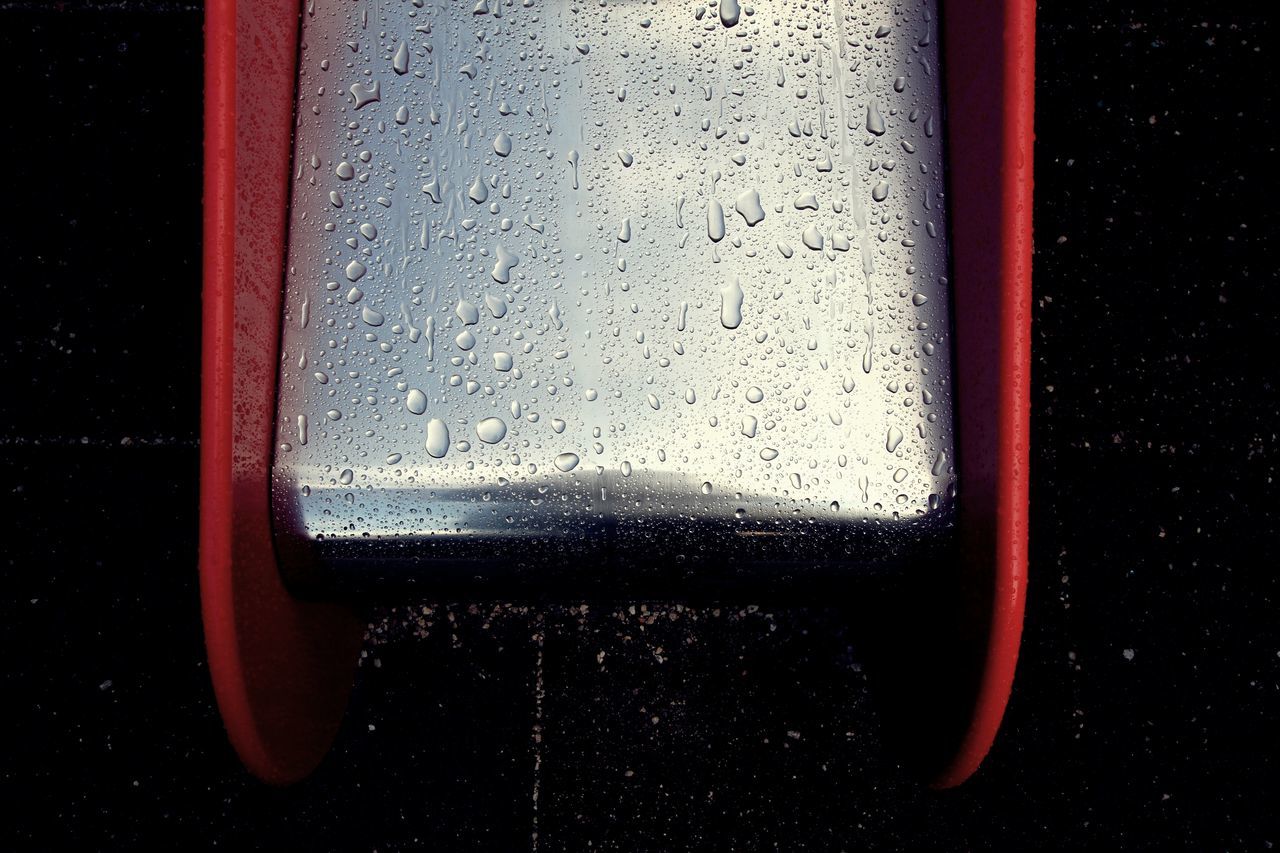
583 294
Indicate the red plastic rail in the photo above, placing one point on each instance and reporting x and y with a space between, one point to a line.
282 669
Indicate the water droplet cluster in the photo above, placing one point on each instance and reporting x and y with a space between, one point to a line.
554 261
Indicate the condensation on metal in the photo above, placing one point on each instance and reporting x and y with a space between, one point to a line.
665 280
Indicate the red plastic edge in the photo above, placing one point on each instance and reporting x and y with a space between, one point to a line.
281 669
990 61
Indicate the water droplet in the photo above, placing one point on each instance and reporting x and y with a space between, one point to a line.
501 271
465 340
754 394
566 462
491 430
812 238
502 144
496 306
893 439
345 171
875 123
769 454
729 12
364 95
467 312
715 220
437 438
416 401
731 305
400 62
573 162
355 270
748 204
502 361
749 423
706 488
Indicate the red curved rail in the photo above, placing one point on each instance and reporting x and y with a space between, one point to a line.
281 668
989 55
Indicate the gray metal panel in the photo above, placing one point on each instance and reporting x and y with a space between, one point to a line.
574 289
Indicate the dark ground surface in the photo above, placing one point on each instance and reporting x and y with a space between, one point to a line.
1147 705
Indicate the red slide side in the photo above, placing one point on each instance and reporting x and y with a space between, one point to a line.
282 669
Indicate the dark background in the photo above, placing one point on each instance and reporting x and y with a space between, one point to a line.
1146 710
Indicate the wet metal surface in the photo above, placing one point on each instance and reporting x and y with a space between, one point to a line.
594 289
